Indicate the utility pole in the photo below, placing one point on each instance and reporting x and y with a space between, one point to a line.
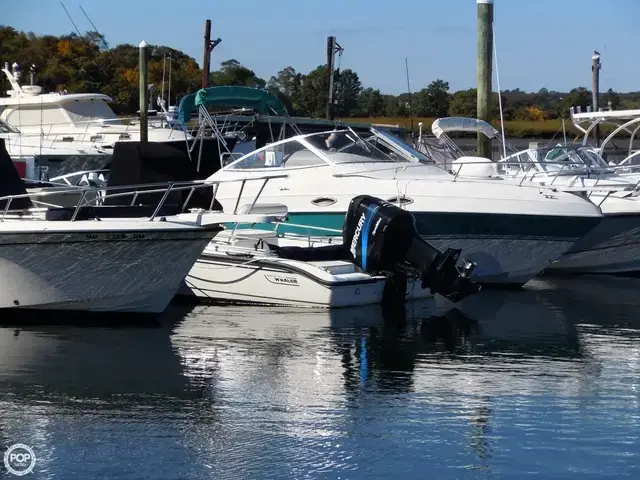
595 70
485 63
144 95
208 48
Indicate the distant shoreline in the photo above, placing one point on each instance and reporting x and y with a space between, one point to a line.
513 128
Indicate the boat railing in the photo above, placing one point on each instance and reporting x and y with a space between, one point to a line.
66 179
95 139
597 173
94 196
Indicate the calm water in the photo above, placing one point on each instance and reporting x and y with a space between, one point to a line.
544 382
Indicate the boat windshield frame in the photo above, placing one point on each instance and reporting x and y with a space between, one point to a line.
402 146
582 158
7 128
320 156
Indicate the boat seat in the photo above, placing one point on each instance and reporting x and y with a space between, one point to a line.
109 211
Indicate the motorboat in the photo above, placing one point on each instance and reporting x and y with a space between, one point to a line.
246 265
511 231
75 118
377 259
611 247
108 253
64 132
620 122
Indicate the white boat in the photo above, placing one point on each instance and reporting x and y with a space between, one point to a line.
249 265
244 267
69 132
100 258
612 246
512 232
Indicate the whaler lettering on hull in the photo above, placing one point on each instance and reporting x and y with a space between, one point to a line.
282 280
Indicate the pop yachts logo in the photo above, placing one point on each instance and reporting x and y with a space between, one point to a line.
19 459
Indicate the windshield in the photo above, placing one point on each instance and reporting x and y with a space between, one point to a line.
400 143
573 157
317 149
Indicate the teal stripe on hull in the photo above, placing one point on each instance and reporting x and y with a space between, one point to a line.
434 224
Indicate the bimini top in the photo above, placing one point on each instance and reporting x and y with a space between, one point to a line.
462 124
231 96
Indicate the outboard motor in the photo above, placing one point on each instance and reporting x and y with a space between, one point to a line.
382 238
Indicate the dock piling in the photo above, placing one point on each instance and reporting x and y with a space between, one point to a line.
595 70
144 94
485 64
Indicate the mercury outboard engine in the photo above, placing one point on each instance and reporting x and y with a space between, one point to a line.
382 238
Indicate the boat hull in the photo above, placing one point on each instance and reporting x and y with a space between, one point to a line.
301 284
509 250
612 247
124 270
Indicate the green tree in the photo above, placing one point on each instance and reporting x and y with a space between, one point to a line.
313 92
433 101
371 103
288 86
613 99
347 89
577 97
464 103
233 73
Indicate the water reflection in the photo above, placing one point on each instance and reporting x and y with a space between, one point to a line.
544 381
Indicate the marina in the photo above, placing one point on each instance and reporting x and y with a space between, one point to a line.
210 274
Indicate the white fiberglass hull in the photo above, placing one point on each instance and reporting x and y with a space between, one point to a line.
220 277
512 232
107 266
612 247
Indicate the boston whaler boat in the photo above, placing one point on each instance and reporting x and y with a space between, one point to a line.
612 246
378 259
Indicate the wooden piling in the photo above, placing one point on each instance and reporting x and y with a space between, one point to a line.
595 69
207 53
331 48
485 63
144 94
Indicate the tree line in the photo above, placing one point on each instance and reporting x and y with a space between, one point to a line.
87 64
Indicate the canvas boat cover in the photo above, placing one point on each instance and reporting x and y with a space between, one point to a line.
462 124
10 182
231 96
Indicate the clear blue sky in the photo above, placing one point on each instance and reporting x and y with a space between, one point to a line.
541 43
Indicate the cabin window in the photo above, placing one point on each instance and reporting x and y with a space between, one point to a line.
82 111
36 117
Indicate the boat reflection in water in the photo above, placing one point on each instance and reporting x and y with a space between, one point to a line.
540 380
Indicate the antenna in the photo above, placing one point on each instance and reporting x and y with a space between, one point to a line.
495 51
164 64
169 94
406 67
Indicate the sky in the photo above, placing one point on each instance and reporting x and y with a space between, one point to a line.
539 43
